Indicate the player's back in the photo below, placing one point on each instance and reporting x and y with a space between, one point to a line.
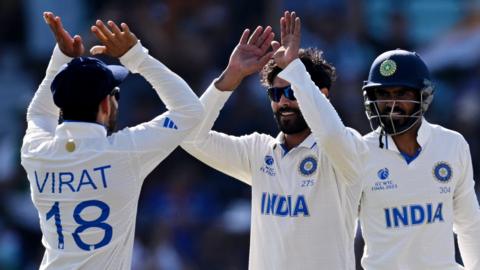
407 208
85 187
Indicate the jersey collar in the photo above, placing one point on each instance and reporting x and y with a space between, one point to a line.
422 137
279 143
74 129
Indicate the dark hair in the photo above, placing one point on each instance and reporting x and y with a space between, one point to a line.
322 73
80 114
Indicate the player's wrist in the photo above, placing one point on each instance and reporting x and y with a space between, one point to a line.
229 80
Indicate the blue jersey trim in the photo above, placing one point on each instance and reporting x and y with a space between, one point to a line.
409 158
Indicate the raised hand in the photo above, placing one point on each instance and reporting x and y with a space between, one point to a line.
115 42
248 57
287 50
72 47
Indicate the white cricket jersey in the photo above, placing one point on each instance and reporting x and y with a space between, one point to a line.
408 211
303 206
85 184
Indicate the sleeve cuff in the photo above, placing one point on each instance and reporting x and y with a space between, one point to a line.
292 71
212 97
59 58
134 57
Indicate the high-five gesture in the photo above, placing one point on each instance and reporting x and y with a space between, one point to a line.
287 50
72 47
115 42
248 57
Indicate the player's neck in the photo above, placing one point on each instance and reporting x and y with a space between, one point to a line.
293 140
407 141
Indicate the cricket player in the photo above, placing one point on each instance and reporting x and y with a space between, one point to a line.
417 181
84 183
304 206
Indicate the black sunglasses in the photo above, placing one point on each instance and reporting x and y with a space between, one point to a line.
116 93
275 93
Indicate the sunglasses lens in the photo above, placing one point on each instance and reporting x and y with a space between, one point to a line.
275 93
288 92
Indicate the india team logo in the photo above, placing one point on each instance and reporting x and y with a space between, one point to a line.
388 67
308 166
269 160
383 173
442 171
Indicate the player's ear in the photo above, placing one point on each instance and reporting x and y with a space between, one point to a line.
104 106
324 91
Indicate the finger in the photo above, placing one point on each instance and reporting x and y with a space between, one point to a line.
98 49
244 37
125 28
287 22
275 45
298 26
292 22
47 16
78 44
105 31
114 28
99 34
255 35
263 36
267 42
264 59
283 29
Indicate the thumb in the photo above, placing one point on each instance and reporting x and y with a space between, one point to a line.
98 49
77 43
264 59
275 45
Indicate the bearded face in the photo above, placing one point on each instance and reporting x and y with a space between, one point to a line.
290 120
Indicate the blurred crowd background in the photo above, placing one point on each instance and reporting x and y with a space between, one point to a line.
190 216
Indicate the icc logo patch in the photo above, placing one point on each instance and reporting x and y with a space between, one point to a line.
308 166
383 174
442 171
269 160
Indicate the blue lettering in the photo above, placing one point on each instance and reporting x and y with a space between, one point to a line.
438 213
102 172
264 195
417 214
397 216
414 214
68 183
429 213
301 207
282 207
40 189
271 203
89 181
387 218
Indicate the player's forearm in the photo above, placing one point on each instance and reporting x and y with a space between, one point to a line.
344 146
213 101
172 90
42 103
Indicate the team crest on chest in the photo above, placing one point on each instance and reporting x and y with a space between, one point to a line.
308 166
442 171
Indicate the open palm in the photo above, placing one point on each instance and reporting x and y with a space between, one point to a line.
287 50
250 54
72 47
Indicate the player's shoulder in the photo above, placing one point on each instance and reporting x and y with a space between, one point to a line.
444 134
371 137
259 138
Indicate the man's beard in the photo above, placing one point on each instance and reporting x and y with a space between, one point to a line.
290 124
112 121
